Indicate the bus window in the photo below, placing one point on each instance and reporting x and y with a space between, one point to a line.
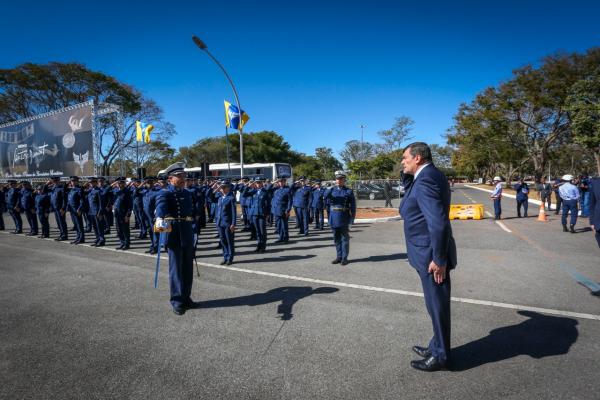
283 169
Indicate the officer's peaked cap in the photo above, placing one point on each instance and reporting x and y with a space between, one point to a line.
175 168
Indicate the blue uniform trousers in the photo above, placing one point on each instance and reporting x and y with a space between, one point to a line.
259 223
245 217
153 235
319 217
437 301
1 219
61 222
282 228
585 204
227 242
44 224
202 220
302 219
181 275
497 208
87 222
341 237
525 204
123 229
32 221
109 220
98 227
598 236
78 225
16 216
140 221
569 205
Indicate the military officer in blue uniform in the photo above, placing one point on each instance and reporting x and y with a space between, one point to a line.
122 208
2 205
301 202
522 190
317 204
200 204
28 206
342 214
58 200
96 211
138 191
149 208
174 218
244 203
76 206
281 206
258 212
190 187
225 220
13 204
107 201
42 208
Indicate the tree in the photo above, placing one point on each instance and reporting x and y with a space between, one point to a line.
355 150
309 167
583 105
31 89
381 166
328 163
397 134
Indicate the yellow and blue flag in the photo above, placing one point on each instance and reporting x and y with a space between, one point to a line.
143 131
232 116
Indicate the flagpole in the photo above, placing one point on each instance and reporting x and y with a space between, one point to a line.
227 144
202 46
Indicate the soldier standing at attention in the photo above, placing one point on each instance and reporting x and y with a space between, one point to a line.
107 200
318 205
174 218
76 209
281 205
342 214
123 206
259 210
497 197
2 205
13 204
28 205
152 191
42 208
96 212
301 201
58 199
225 220
138 191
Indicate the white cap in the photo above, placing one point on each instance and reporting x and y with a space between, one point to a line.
497 179
567 177
340 174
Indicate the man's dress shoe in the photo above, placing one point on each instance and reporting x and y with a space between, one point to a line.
430 364
422 351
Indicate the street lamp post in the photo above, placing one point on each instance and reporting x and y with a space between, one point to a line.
202 46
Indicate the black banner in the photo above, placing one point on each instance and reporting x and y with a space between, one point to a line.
58 144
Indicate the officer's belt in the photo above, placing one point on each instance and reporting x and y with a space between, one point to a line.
339 209
189 219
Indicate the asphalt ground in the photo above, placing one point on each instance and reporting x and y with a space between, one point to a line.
82 322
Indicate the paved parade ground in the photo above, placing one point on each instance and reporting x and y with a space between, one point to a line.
79 322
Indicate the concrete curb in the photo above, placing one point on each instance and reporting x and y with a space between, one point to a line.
511 196
374 220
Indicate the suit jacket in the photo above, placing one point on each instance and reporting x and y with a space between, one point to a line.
595 203
225 216
427 229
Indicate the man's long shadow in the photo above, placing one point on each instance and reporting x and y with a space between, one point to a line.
288 295
538 337
382 257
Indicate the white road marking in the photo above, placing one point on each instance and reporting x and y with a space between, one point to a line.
489 214
375 288
504 228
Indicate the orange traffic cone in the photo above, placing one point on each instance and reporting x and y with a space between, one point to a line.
542 215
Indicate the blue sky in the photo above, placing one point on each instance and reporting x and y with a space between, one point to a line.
313 71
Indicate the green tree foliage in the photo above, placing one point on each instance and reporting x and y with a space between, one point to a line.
355 150
328 163
583 105
397 134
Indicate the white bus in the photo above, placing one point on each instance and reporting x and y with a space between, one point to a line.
266 170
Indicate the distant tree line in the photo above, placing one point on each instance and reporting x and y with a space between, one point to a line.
545 116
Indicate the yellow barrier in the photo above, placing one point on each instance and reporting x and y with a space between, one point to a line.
466 211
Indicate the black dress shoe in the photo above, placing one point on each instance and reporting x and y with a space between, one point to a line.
344 262
223 262
229 262
148 251
430 364
422 351
74 242
94 244
119 248
153 251
101 244
125 248
336 261
179 311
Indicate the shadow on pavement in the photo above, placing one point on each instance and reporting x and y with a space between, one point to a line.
288 295
277 259
538 337
382 257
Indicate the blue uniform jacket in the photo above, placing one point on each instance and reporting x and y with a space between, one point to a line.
96 204
58 198
226 214
522 191
342 206
27 199
75 201
281 203
427 229
316 198
42 203
150 201
176 203
13 198
301 196
259 203
123 202
594 189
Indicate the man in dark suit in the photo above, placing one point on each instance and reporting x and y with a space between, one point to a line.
431 248
595 207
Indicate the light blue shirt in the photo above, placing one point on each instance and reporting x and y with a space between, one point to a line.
568 191
497 191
